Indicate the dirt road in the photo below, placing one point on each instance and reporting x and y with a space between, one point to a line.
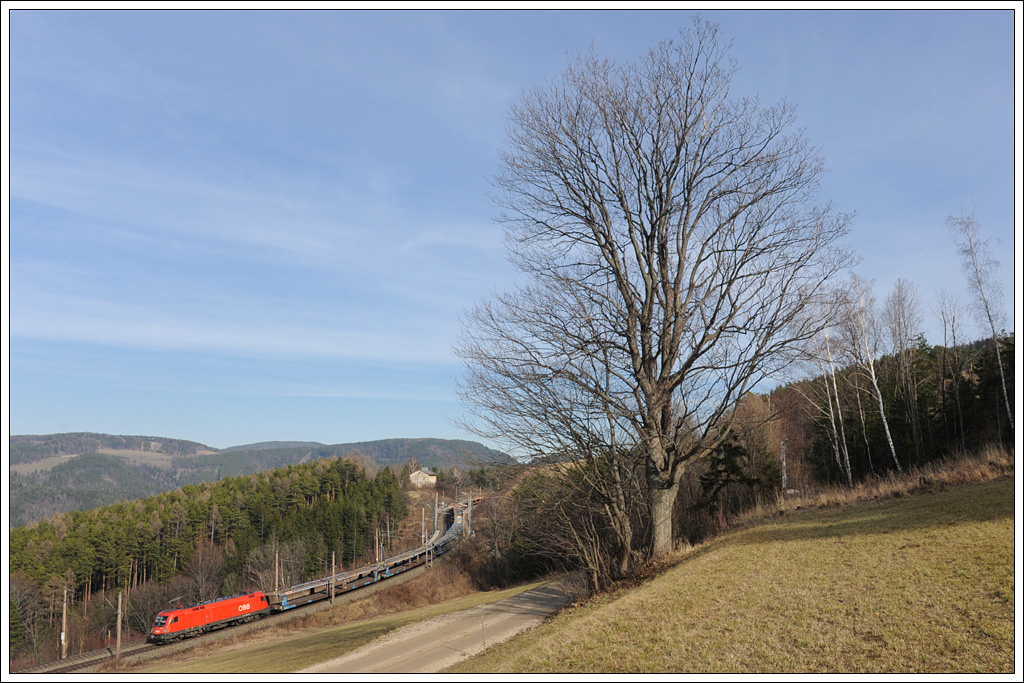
434 645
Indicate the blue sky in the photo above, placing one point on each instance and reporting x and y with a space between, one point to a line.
233 227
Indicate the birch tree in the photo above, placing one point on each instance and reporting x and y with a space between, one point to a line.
671 244
901 317
954 361
863 341
823 396
981 270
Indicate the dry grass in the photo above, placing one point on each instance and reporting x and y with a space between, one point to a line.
871 581
986 464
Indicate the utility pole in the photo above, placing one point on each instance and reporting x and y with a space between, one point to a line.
276 565
423 525
117 652
64 627
332 577
785 482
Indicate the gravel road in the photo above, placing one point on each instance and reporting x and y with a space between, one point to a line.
431 646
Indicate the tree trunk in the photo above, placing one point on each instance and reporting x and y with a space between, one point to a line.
864 428
662 500
1002 375
841 435
885 423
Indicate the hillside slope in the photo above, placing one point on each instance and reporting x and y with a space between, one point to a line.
914 584
57 473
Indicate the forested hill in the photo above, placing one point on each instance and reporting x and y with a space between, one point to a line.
56 473
193 544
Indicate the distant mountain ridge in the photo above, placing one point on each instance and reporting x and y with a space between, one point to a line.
264 445
34 447
56 473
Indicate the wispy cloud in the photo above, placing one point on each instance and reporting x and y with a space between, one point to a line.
137 256
250 327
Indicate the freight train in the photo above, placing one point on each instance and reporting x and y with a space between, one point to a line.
185 622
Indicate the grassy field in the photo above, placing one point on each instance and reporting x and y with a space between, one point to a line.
151 458
920 583
40 465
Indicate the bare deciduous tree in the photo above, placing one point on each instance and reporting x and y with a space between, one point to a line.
672 247
145 603
26 609
206 571
955 360
823 396
901 317
261 570
862 340
566 521
981 270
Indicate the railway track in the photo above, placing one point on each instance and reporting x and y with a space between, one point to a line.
87 660
284 600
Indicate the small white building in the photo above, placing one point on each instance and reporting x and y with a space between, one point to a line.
422 478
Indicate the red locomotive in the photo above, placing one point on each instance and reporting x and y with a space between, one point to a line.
191 621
